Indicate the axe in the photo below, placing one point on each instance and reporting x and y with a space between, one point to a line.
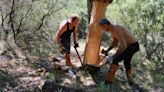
78 55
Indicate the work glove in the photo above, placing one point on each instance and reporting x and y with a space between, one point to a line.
109 59
76 45
104 52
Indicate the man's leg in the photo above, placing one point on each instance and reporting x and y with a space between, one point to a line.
111 73
66 45
114 66
68 60
127 64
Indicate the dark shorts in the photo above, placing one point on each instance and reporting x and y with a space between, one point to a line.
66 45
127 55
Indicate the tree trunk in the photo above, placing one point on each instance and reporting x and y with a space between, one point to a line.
91 54
89 6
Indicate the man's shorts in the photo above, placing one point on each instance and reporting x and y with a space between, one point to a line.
66 45
127 54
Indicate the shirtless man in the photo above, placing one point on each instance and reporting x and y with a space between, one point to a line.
63 36
127 46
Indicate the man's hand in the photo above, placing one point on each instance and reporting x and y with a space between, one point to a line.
61 49
105 52
76 45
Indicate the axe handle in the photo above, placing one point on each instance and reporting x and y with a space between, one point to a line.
78 56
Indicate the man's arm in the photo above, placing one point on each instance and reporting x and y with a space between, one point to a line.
75 34
60 31
114 44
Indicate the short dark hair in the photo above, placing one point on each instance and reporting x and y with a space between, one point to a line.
104 21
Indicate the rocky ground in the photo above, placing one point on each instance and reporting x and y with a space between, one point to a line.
29 75
22 76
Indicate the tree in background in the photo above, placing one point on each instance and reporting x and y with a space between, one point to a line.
25 24
145 19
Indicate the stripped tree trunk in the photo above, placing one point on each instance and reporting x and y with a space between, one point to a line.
91 54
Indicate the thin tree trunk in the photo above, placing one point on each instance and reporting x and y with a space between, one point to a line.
89 6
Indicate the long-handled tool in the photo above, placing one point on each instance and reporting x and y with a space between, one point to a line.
78 56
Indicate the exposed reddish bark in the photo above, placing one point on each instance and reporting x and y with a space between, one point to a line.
91 54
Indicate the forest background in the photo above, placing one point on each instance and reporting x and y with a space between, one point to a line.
29 26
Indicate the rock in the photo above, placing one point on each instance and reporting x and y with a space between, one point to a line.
54 87
2 46
52 57
41 71
5 58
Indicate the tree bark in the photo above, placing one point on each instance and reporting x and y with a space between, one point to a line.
91 53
